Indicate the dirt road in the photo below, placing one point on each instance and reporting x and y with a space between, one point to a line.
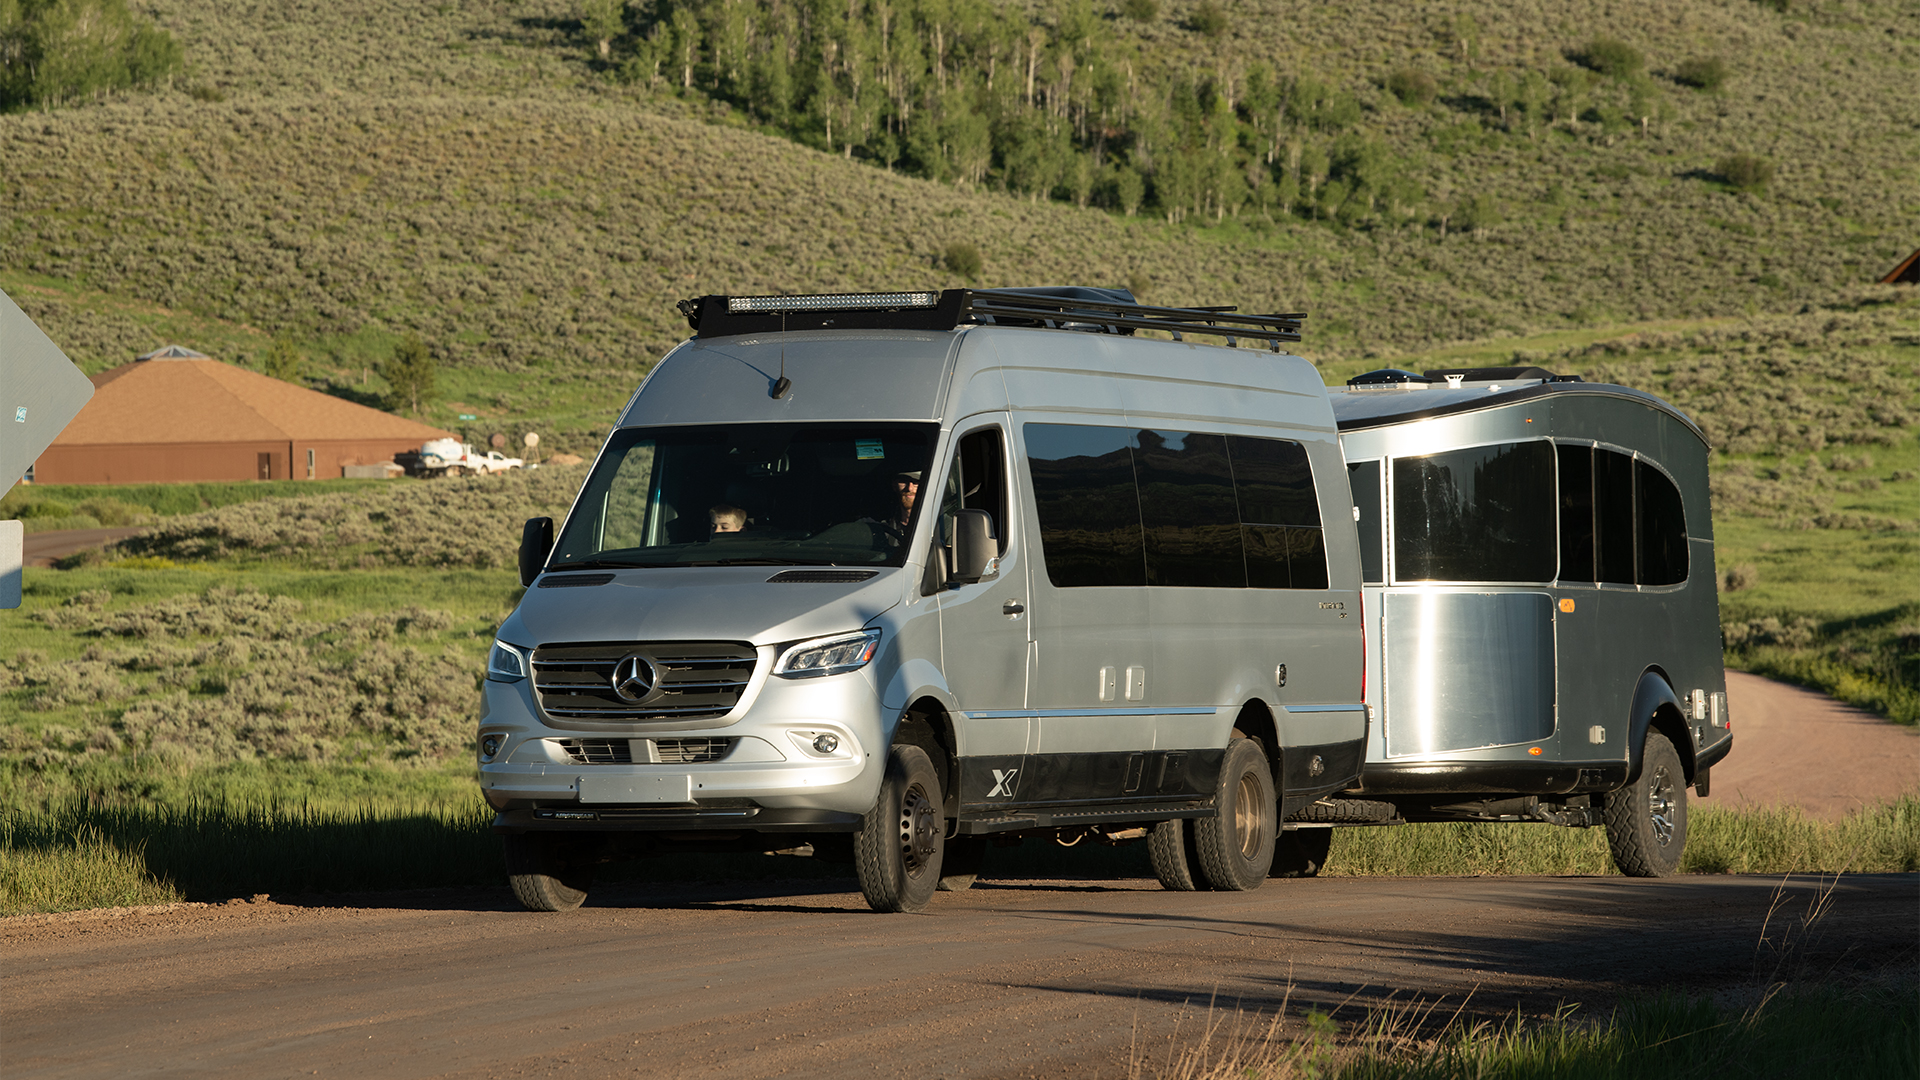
1027 979
1801 748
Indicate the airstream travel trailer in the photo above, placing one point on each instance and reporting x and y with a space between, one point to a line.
888 575
1537 553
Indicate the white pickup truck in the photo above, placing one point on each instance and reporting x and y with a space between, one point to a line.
450 457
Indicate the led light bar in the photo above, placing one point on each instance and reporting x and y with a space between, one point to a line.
737 305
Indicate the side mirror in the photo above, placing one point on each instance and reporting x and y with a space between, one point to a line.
536 543
973 545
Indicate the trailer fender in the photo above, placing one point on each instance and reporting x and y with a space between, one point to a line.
1656 705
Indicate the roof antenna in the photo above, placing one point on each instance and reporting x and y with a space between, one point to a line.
781 385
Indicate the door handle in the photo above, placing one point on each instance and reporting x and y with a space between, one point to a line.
1012 607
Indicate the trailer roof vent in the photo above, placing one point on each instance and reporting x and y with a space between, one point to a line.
1389 379
1455 376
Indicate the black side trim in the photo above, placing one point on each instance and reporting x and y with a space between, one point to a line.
976 824
1491 777
997 785
672 819
1339 768
572 581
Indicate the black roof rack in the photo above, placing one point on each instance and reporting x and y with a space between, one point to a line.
1112 311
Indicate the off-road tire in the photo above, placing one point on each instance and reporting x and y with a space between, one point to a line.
1647 819
1301 853
898 848
1235 848
960 864
1170 850
547 870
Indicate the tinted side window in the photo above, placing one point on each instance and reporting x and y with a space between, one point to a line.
1663 528
1188 511
1085 498
1481 514
1280 514
1613 515
1364 477
1576 513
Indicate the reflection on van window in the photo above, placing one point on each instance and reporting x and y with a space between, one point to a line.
750 494
1481 514
1174 508
1364 478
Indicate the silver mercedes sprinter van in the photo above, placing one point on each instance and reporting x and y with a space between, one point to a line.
886 575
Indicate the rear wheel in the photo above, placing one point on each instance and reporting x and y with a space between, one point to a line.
1170 849
456 470
1647 819
897 852
548 871
1301 853
1235 848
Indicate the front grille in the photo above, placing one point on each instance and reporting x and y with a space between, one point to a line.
664 751
690 680
598 751
691 751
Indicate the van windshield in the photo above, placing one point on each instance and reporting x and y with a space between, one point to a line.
750 495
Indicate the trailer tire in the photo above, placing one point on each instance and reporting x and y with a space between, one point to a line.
1170 850
960 864
1647 819
1301 853
546 870
1235 847
898 849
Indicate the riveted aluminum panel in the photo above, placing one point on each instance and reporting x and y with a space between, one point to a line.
1467 669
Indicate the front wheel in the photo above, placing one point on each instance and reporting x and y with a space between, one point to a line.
547 870
1235 847
897 852
1647 819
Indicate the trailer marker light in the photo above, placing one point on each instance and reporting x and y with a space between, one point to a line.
1533 751
1566 606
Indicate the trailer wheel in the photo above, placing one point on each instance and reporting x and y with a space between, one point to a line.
1647 819
960 864
546 870
897 852
1235 849
1301 853
1170 849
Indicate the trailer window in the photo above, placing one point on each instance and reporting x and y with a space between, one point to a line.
1480 514
1613 516
1188 514
1364 478
1576 513
1663 528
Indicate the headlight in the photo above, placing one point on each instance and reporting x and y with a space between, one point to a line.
828 656
506 663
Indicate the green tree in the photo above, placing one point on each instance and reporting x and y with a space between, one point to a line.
1745 171
281 360
409 374
1611 57
55 52
601 20
1702 73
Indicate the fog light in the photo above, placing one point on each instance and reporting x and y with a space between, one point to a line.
827 743
489 745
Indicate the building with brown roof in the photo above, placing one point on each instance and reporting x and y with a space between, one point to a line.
176 415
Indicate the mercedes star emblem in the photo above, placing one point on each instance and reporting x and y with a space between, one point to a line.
633 678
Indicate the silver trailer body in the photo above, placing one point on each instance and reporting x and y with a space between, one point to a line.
1541 585
1086 679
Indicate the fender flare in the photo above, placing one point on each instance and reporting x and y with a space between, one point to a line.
1652 697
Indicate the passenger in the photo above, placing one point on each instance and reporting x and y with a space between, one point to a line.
726 519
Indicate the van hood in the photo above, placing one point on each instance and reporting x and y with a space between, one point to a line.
698 603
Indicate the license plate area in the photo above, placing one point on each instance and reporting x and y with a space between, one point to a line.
650 788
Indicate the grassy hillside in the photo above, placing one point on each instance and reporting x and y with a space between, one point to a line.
345 174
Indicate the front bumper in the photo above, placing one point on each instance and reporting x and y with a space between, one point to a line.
769 775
